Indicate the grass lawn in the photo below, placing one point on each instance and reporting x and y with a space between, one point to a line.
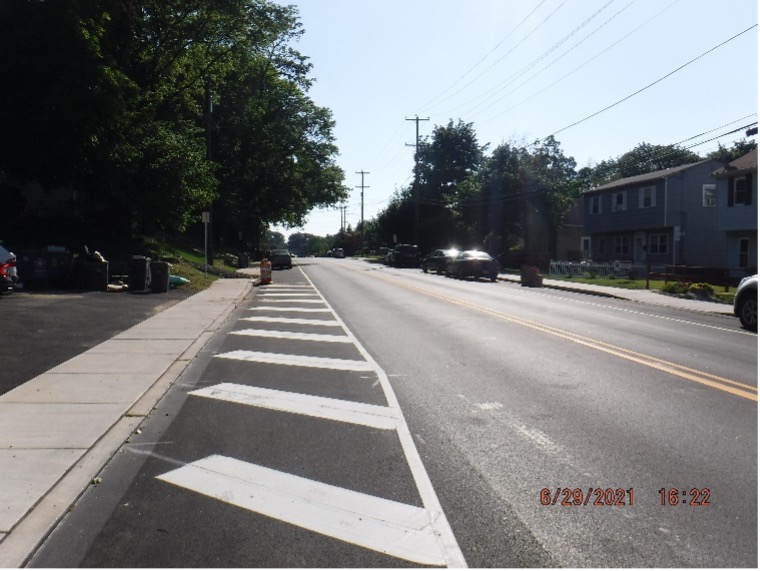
720 291
188 264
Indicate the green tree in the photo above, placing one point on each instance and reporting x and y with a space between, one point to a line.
448 160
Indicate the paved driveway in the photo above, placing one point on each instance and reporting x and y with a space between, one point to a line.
42 329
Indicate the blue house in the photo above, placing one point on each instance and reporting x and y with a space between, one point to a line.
736 207
666 217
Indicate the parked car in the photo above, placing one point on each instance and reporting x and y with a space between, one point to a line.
436 261
281 259
404 255
745 302
8 271
473 263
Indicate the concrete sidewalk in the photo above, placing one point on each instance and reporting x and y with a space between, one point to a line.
59 429
644 296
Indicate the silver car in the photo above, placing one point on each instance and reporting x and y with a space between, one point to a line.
745 302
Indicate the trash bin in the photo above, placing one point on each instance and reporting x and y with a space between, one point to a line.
96 276
159 277
138 274
242 260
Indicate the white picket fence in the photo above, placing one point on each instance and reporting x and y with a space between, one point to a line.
615 269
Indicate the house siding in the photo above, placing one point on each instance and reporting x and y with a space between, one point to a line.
690 229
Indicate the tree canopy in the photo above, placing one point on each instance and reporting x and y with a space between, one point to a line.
155 110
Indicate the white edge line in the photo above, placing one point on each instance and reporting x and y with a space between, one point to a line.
452 553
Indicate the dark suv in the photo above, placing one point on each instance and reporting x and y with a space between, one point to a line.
404 255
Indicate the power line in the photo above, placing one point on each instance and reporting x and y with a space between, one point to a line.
584 64
522 72
655 82
511 50
491 93
497 46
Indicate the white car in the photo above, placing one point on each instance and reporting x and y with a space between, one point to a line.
745 302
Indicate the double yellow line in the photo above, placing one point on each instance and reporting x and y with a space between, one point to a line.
727 385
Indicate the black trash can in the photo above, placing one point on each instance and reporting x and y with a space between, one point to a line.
159 277
242 260
96 276
138 274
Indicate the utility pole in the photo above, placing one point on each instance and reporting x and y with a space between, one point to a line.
362 172
416 177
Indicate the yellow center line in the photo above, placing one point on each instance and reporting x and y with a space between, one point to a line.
727 385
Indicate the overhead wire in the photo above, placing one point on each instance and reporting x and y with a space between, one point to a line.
511 50
492 92
654 82
472 68
576 69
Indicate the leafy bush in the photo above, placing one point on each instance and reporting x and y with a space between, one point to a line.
702 290
676 287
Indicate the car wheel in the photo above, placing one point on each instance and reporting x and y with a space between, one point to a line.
748 312
424 269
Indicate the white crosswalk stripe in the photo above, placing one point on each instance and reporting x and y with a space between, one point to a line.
370 415
297 360
293 335
292 321
375 523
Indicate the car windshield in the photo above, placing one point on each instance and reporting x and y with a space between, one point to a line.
476 255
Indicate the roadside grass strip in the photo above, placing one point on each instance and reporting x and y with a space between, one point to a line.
297 360
370 415
292 320
293 335
379 524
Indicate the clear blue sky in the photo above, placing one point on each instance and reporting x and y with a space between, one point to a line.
521 70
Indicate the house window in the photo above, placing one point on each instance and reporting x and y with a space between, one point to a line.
658 243
600 246
622 245
708 195
586 247
740 190
647 197
595 205
619 202
744 252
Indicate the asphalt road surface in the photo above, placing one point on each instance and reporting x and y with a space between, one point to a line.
379 417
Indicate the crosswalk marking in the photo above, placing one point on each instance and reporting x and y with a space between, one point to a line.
297 360
369 415
292 321
292 300
379 524
293 294
293 335
290 309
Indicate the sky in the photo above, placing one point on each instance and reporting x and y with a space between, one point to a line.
602 76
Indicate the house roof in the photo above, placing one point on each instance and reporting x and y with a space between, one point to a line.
643 178
744 164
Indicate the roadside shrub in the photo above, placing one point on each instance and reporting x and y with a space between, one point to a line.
702 290
676 287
